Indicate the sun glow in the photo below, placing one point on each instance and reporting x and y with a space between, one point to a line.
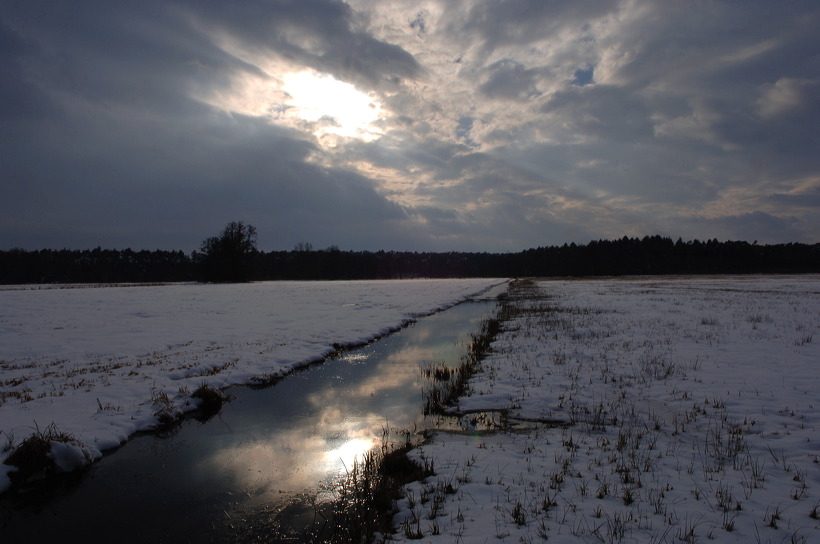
304 100
343 457
336 107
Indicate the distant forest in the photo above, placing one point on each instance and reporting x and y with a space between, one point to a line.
627 256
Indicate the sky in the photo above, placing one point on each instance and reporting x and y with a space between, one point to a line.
451 125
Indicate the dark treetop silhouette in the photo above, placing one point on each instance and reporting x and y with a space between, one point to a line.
229 256
233 256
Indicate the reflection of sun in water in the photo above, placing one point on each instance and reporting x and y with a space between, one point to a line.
346 454
337 106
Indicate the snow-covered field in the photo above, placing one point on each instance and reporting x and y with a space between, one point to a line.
690 409
99 363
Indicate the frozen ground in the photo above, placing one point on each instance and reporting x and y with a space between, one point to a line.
100 363
674 410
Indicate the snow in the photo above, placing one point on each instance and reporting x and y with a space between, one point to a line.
672 409
99 363
683 410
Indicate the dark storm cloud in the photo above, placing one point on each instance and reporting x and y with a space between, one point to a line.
252 172
136 54
102 139
321 34
18 97
151 51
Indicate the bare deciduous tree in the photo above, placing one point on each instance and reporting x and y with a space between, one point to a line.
229 256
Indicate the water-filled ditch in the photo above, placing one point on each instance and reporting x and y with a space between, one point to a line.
267 448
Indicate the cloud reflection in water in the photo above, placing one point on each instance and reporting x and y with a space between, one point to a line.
321 424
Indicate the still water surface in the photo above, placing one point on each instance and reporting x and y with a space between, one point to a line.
204 481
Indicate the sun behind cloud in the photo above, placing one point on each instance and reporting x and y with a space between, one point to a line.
306 100
337 107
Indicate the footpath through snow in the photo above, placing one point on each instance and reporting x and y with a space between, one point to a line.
673 410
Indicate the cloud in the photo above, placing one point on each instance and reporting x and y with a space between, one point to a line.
785 96
19 97
807 197
324 35
600 111
751 226
497 125
522 22
509 79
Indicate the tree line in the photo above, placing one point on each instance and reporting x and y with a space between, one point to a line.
233 256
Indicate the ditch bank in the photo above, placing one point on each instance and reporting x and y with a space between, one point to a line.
270 460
